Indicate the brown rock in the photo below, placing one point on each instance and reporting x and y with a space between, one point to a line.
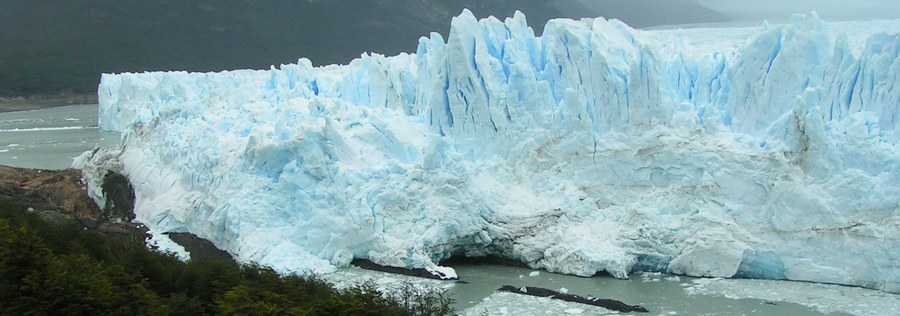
52 192
59 196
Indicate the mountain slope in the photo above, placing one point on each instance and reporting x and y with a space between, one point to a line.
54 46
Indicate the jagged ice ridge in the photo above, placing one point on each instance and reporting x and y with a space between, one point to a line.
765 152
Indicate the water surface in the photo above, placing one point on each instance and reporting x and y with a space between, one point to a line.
661 294
51 138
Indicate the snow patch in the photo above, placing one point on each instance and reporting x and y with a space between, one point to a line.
162 243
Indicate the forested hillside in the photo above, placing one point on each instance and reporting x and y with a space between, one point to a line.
62 269
50 46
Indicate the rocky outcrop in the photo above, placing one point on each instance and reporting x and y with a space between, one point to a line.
200 249
59 195
119 197
35 102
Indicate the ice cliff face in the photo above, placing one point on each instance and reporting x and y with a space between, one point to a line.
768 152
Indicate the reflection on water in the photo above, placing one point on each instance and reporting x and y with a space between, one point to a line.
50 138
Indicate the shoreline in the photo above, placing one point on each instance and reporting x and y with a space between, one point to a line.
36 102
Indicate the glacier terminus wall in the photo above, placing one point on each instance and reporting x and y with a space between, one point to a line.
765 152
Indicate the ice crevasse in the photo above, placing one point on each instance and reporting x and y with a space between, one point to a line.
765 152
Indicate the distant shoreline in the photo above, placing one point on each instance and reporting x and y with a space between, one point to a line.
24 103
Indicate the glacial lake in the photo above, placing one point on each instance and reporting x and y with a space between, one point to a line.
51 138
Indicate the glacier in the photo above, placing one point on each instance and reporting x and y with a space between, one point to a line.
766 152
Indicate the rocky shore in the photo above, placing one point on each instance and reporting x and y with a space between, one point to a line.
58 195
61 196
20 103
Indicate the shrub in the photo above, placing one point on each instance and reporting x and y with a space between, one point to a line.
61 269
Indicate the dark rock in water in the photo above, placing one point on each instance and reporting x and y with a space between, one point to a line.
605 303
200 249
119 197
418 272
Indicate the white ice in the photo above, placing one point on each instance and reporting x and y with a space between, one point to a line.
507 303
768 152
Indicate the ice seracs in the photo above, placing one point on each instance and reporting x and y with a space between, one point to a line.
757 152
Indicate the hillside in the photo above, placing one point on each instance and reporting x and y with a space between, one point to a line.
49 47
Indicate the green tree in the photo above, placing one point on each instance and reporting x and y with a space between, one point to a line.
244 300
61 269
70 285
23 256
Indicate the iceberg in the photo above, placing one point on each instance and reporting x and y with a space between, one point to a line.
767 152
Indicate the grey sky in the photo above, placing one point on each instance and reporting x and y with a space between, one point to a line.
827 9
644 13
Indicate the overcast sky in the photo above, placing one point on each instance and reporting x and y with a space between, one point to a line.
827 9
643 13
